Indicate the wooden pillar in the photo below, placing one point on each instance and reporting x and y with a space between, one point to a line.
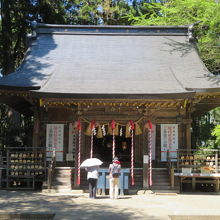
36 129
172 177
188 136
145 165
75 184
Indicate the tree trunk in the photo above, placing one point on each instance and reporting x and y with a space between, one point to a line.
8 61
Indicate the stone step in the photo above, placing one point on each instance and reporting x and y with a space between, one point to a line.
159 170
160 188
160 176
62 184
160 173
170 192
62 179
62 176
61 190
61 187
62 172
161 180
161 184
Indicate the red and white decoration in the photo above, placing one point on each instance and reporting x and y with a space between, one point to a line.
79 128
113 138
149 126
113 126
132 127
92 133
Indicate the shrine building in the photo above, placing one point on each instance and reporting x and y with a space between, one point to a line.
105 91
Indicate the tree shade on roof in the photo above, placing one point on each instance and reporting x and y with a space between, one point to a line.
114 61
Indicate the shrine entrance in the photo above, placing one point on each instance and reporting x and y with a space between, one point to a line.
103 148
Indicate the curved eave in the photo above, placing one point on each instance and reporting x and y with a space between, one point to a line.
114 96
19 88
205 90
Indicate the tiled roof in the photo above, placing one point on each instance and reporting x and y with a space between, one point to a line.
111 60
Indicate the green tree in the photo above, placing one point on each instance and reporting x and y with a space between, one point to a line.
204 13
202 127
14 26
216 134
52 12
16 16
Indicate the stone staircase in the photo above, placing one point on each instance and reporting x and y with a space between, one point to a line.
62 180
138 179
160 179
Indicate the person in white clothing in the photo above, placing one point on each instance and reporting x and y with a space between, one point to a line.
92 177
114 173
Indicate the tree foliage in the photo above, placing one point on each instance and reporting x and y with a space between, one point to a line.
202 127
14 131
216 134
16 16
206 130
205 14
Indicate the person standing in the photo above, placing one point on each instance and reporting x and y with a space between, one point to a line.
114 173
92 177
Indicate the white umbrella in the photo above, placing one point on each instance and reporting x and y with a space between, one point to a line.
91 162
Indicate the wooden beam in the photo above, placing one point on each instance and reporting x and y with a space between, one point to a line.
188 136
36 130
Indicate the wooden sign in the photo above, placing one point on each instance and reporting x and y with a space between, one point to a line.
169 141
55 140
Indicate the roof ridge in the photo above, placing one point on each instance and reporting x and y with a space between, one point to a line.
113 26
111 30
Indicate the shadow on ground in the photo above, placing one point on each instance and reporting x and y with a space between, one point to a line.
194 217
65 206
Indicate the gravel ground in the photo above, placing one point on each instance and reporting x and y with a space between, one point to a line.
144 206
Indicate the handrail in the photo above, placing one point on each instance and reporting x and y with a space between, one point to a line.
205 149
171 168
51 169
